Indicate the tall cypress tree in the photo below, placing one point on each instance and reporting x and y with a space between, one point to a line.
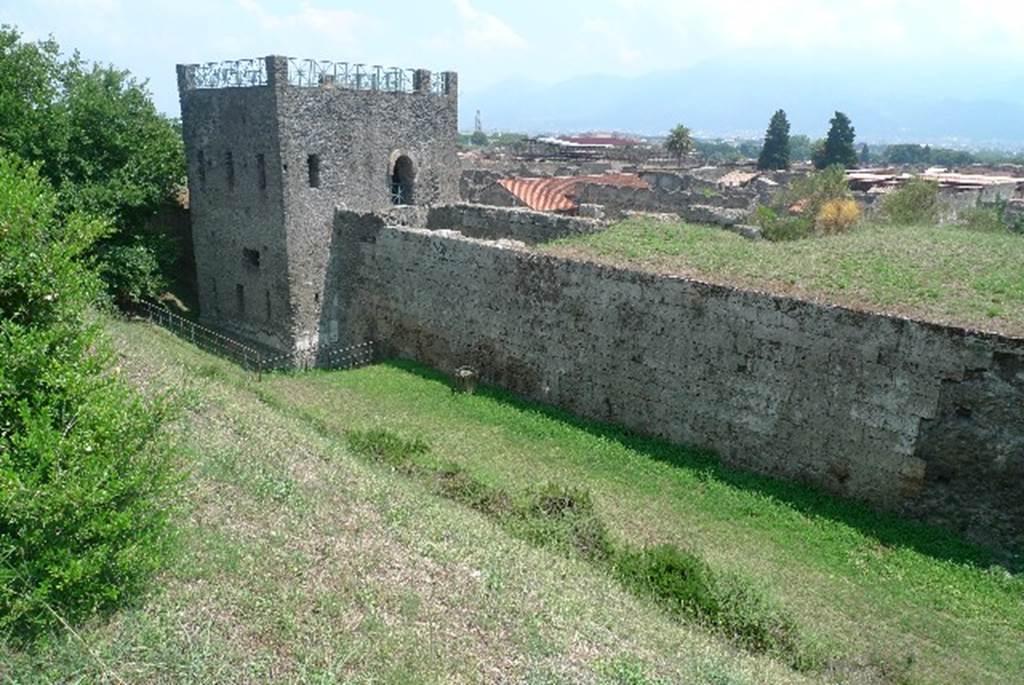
838 147
775 153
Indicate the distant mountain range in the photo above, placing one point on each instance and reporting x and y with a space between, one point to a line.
959 106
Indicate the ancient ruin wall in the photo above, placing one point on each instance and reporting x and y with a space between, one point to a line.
495 223
236 206
912 417
273 146
658 199
356 136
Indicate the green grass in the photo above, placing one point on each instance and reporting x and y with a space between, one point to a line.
563 518
878 591
304 560
945 274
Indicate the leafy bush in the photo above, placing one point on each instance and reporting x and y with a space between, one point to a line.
983 219
686 585
679 579
550 515
85 479
564 517
915 203
998 217
457 484
781 228
836 216
387 447
813 191
132 272
1015 224
789 228
817 204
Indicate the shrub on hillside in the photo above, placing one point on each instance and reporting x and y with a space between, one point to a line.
836 216
983 220
995 218
563 517
818 204
813 191
132 272
783 228
387 447
915 203
84 476
1015 224
684 584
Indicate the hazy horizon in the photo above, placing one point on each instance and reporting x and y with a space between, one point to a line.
942 71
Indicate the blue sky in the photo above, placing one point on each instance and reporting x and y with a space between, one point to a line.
491 42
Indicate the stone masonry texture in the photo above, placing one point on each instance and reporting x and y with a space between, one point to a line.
268 164
912 417
496 223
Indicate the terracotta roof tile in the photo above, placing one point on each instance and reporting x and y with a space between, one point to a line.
554 194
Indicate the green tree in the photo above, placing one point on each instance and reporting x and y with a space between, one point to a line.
947 157
122 158
775 153
31 118
85 481
95 134
478 138
838 147
717 151
679 142
908 153
800 148
865 155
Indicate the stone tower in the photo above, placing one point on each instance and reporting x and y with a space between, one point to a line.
273 146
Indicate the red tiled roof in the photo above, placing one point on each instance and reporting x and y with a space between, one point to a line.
554 194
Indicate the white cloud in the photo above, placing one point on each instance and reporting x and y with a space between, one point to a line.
599 36
544 40
342 26
485 31
905 28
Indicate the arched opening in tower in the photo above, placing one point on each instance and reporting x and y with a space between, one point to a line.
402 179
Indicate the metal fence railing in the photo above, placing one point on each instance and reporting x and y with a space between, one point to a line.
326 357
254 359
312 73
246 356
308 73
234 73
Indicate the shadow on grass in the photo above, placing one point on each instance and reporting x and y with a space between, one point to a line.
887 529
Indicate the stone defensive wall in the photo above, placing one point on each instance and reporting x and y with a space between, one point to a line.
495 223
913 417
724 206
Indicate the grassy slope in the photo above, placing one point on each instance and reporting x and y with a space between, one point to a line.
942 274
302 563
878 590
